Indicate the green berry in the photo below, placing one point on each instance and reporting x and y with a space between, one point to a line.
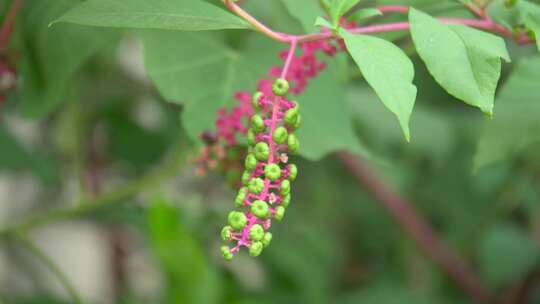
272 172
257 123
226 233
255 249
293 144
245 177
267 239
293 172
291 116
251 139
286 200
255 100
256 233
251 162
256 185
298 122
280 212
241 196
237 220
260 209
285 187
280 135
262 151
227 255
280 87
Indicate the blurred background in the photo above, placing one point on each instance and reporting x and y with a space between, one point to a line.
100 199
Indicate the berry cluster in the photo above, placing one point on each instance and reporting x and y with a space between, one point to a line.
267 178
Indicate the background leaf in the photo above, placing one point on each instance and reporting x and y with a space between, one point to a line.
305 11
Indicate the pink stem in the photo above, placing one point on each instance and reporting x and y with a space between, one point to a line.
393 9
290 56
7 25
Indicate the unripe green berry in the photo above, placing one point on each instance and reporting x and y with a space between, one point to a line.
260 209
257 123
286 200
237 220
226 233
227 254
256 185
293 144
255 249
256 233
298 122
280 87
245 177
280 135
241 196
255 100
267 239
293 172
280 212
291 116
251 139
272 172
262 151
251 162
285 187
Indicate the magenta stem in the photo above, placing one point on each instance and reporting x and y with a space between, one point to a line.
290 56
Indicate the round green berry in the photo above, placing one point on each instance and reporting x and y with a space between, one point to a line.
241 196
280 135
272 172
226 252
255 100
251 162
256 233
257 123
256 185
251 139
255 249
280 212
285 187
293 144
298 122
226 233
280 87
286 200
237 220
260 209
262 151
290 117
246 177
293 172
267 239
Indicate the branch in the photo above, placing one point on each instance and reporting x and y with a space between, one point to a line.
86 205
7 25
418 228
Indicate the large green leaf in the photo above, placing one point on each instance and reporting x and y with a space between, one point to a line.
52 56
464 61
305 11
516 123
506 254
183 15
327 125
202 71
533 23
388 71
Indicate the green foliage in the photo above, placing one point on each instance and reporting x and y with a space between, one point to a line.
185 15
464 61
305 11
389 72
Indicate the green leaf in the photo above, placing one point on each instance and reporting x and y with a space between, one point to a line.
201 71
365 13
305 11
184 15
323 22
464 61
388 71
506 254
515 125
326 125
533 23
52 56
339 8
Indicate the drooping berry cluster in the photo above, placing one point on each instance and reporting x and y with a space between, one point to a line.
266 191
